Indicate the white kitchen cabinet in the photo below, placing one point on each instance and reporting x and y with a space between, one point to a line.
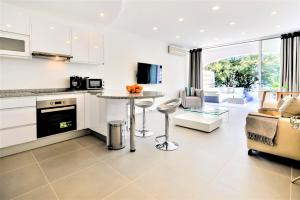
96 48
17 117
50 36
17 120
92 112
80 112
80 46
79 105
17 102
13 44
17 135
14 19
99 111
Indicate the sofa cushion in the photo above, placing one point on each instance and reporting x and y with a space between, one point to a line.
290 107
281 101
190 91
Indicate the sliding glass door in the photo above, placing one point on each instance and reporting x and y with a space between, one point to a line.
270 63
261 56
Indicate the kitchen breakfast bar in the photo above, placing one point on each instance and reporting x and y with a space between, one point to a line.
114 104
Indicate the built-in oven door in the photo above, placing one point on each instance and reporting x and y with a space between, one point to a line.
55 120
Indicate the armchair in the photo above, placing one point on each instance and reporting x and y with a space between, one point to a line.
192 101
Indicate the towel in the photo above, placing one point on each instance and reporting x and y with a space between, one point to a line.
262 128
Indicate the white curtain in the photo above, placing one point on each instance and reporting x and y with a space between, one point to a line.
290 61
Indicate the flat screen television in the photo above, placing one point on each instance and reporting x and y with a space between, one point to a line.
149 73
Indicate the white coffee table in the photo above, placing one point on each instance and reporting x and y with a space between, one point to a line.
198 121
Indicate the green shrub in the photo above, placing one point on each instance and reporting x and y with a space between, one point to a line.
236 71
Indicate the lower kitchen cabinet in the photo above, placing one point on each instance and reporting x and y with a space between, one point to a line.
17 120
17 117
17 135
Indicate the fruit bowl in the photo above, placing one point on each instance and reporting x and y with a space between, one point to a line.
134 88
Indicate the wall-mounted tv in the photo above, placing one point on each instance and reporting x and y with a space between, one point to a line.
149 73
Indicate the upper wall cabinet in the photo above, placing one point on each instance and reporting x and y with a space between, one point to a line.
96 48
50 37
80 46
87 47
14 19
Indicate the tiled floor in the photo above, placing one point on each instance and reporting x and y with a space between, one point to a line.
206 166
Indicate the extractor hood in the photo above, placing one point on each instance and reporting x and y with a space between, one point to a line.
51 56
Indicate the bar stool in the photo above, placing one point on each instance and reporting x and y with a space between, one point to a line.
167 108
145 103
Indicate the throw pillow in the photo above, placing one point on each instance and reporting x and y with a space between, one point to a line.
290 107
281 101
190 91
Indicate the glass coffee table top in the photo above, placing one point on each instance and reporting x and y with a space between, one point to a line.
209 110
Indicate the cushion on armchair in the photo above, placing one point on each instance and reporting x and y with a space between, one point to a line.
290 107
189 91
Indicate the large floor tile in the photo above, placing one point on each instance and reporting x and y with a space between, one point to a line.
177 178
132 165
295 187
101 152
88 140
66 164
266 162
254 182
41 193
129 192
16 161
95 182
54 150
19 181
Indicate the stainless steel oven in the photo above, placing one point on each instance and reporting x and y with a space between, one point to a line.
56 116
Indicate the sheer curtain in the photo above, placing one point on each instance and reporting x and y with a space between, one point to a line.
195 72
290 61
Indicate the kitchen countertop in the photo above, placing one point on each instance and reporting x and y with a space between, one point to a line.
42 92
117 94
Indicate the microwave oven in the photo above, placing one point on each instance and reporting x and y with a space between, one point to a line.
94 84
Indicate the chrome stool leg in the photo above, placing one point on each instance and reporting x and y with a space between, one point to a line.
143 132
166 145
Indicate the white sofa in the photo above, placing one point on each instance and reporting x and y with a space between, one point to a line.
225 94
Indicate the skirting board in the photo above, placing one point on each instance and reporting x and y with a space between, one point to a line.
48 140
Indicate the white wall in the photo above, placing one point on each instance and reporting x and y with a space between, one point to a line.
40 73
122 52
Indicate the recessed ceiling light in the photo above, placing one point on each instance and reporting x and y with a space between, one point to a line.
232 23
51 27
215 8
8 25
177 36
154 28
68 42
180 19
216 39
278 26
75 37
101 14
273 13
243 33
202 30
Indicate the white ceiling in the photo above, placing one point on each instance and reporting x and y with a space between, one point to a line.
82 11
253 18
